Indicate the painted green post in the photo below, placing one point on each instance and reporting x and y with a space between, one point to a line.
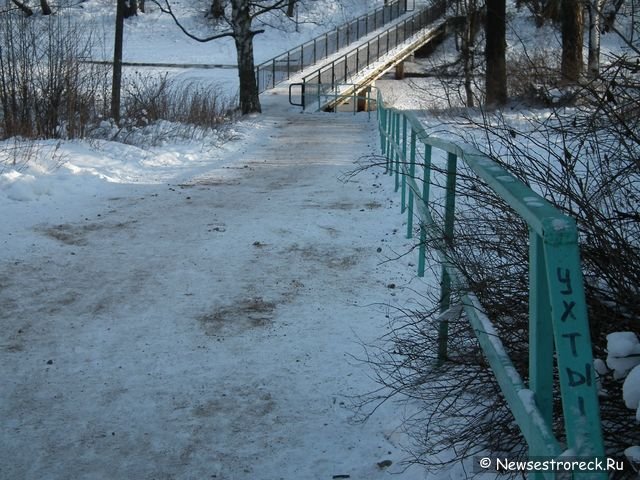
412 175
389 114
445 290
426 181
540 331
402 165
573 342
397 157
541 353
390 124
422 253
383 126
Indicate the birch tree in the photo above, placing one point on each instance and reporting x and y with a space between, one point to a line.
595 12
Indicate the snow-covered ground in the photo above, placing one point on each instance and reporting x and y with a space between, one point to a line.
195 308
192 309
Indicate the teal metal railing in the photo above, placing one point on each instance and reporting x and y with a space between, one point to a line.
279 69
557 307
336 73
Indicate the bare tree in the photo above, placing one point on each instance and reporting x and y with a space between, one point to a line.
572 31
116 79
217 9
495 49
239 22
291 8
46 9
24 7
595 12
44 5
471 12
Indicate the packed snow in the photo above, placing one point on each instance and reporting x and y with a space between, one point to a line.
196 307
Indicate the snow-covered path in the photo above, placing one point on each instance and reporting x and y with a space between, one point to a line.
203 329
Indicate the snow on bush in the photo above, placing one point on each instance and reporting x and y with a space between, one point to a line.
631 391
623 353
624 358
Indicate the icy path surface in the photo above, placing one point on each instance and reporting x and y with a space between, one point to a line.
203 329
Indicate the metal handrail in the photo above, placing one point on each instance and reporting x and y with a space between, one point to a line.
329 76
338 97
557 306
280 68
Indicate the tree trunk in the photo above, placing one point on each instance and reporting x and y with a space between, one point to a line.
117 61
572 31
217 9
467 50
25 9
46 9
495 51
241 24
291 8
595 9
552 10
131 8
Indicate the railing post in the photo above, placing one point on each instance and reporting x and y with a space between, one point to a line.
387 42
540 330
426 181
445 291
346 69
333 75
303 93
573 345
387 130
397 158
288 64
403 164
273 70
540 336
392 160
382 125
390 129
412 175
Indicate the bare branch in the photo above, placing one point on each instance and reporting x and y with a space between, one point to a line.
262 8
168 10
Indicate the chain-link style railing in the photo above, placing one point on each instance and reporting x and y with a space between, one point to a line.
280 68
341 70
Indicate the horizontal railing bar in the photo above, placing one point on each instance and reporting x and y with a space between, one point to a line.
382 43
557 262
555 227
395 9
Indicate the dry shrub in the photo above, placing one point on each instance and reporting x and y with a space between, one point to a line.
46 90
149 99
